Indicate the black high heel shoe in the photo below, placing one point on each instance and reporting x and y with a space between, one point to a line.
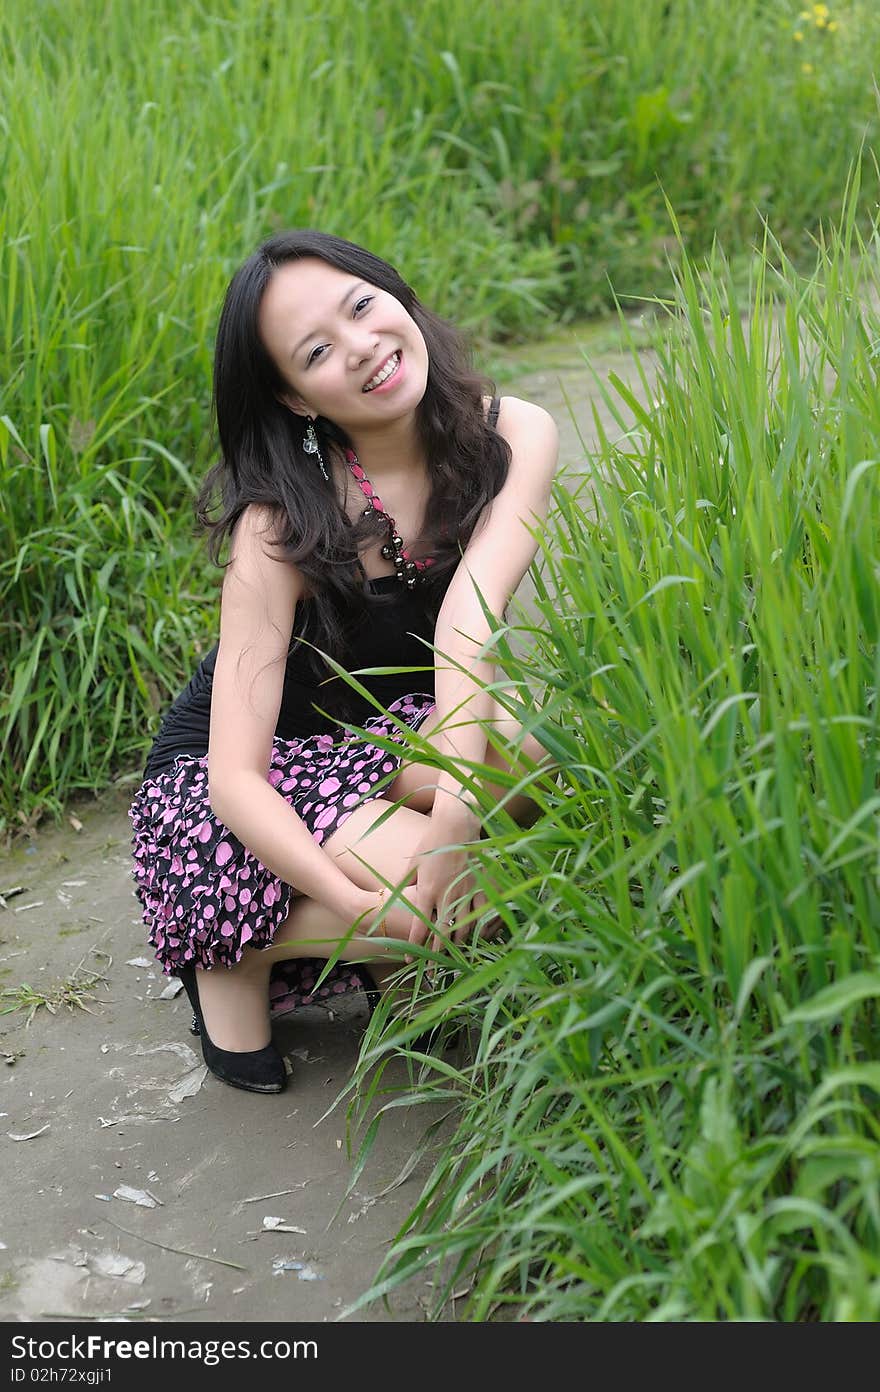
262 1070
423 1043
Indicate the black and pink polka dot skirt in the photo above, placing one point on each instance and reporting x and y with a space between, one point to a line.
205 897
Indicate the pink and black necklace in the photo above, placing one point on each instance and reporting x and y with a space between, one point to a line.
407 568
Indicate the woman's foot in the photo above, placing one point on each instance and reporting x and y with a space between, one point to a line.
235 1004
378 984
256 1070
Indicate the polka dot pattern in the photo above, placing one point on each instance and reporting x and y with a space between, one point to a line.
205 897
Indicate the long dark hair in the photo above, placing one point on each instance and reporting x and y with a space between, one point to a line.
262 459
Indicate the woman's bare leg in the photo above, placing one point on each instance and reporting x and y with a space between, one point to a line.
235 999
415 782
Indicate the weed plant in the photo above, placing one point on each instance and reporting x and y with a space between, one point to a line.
511 158
669 1106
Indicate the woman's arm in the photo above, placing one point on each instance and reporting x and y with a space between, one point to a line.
259 599
495 560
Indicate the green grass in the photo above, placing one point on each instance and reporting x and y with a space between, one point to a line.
669 1110
73 993
511 158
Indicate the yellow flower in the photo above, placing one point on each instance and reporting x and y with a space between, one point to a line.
798 36
833 26
820 12
806 68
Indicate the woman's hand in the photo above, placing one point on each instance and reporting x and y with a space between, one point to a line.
441 880
377 921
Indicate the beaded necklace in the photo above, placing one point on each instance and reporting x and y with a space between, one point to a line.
408 568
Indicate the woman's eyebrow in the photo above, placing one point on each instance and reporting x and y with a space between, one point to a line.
342 303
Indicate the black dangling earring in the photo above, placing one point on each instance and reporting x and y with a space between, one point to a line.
311 446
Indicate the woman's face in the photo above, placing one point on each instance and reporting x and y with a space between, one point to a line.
331 335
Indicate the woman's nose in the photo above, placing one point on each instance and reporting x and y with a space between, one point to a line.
362 349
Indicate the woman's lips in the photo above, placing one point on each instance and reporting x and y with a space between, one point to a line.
393 379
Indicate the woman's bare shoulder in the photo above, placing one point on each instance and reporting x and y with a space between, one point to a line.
258 525
516 414
257 563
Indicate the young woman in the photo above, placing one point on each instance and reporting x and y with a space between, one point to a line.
368 489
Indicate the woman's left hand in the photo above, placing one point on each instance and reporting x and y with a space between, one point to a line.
438 885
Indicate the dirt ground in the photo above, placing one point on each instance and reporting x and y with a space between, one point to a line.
137 1186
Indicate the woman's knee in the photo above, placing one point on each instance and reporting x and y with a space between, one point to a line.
508 726
372 851
526 750
414 784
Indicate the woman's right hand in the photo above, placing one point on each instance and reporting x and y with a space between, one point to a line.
369 907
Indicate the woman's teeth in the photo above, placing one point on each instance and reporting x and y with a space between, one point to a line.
388 370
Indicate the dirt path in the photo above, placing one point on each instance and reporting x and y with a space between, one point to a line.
113 1098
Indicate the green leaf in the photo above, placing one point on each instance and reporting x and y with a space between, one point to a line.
835 999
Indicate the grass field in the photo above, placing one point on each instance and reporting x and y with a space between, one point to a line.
512 158
670 1112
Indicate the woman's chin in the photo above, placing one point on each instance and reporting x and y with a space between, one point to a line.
399 406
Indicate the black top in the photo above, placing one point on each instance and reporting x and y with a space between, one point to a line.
389 636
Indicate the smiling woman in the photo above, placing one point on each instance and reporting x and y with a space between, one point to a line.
369 486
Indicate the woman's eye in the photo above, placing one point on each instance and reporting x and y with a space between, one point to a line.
359 308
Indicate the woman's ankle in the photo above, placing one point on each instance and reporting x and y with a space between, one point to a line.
235 1008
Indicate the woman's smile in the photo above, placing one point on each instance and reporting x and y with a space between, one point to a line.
389 374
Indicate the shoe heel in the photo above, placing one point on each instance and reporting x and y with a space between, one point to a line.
371 991
261 1070
423 1043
